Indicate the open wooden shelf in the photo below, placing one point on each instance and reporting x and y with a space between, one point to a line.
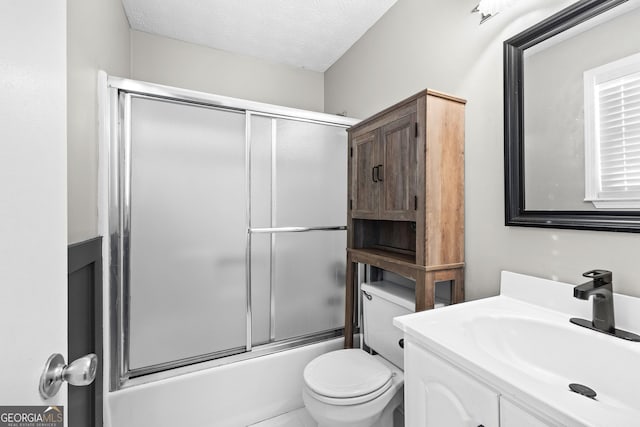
399 263
402 264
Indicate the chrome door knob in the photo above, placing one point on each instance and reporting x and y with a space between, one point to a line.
80 372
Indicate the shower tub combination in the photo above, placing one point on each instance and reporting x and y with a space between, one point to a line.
226 241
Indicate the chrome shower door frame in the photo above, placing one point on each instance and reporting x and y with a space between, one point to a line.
118 185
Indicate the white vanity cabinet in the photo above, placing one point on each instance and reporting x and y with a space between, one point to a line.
509 360
512 415
438 394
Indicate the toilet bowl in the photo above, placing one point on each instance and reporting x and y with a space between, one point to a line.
352 388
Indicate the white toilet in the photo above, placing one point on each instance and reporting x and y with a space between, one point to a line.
352 388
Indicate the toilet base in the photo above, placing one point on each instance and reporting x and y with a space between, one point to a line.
386 418
363 415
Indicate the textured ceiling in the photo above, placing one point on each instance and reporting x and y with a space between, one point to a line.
311 34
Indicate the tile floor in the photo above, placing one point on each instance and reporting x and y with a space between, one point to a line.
301 418
298 418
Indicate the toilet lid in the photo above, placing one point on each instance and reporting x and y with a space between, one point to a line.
346 373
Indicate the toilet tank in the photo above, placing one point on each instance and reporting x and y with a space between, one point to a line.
381 302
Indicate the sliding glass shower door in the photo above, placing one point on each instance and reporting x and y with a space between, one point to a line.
227 232
187 293
298 239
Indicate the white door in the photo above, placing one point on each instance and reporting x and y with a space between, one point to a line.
33 224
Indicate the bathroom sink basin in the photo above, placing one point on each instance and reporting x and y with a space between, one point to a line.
523 344
559 353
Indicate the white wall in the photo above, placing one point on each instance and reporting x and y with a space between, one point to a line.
98 39
33 232
439 44
175 63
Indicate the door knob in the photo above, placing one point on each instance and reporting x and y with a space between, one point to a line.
80 372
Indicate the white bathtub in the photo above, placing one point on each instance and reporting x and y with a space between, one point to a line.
231 395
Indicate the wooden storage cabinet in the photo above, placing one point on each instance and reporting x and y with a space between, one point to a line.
406 196
384 165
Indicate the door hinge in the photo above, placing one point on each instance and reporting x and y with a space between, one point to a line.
351 152
416 128
415 203
350 204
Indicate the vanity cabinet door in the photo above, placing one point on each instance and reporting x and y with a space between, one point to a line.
364 180
511 415
398 170
438 394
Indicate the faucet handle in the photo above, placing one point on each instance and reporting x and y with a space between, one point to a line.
600 277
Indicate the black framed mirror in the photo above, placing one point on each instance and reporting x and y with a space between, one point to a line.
546 174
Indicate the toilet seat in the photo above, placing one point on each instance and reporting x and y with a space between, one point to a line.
344 401
346 377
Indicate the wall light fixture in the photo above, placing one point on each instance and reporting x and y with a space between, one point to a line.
489 8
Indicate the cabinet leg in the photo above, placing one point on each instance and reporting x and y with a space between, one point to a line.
458 286
426 284
349 303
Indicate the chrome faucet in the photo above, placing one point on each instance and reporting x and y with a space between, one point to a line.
603 317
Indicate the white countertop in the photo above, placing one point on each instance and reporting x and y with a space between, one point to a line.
522 344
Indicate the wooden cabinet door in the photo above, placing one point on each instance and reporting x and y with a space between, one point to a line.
438 394
398 169
364 183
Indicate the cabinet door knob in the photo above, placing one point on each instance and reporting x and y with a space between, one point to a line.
401 343
374 174
379 173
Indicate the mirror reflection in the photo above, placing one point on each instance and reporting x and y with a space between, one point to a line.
582 116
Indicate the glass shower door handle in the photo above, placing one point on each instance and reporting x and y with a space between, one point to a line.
270 230
80 372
